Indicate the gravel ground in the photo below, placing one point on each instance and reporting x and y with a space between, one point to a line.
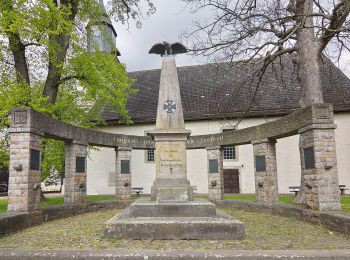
264 231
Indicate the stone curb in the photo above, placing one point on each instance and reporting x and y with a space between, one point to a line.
157 255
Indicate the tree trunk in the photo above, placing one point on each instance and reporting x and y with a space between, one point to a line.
308 49
58 54
18 51
16 46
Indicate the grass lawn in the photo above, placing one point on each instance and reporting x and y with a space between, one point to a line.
60 200
3 205
345 203
52 201
263 230
283 199
289 199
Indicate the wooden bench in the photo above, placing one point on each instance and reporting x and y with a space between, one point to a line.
294 189
194 189
137 191
342 189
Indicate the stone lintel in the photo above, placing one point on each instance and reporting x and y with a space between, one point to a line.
316 126
262 141
80 143
123 148
24 130
213 148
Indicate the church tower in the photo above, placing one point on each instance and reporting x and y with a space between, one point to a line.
102 35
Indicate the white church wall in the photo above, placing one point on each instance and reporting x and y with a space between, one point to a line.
102 162
342 138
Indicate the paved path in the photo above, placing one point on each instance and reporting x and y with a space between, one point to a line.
174 255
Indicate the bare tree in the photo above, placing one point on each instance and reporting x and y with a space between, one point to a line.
262 31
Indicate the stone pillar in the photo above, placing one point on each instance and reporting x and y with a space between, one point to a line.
266 184
75 173
123 180
319 167
25 170
215 174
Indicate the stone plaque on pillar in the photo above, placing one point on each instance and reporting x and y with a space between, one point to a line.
125 166
80 164
213 166
309 158
260 163
34 160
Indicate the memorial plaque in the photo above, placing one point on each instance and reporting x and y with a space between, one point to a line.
213 166
260 163
323 113
125 166
309 158
171 159
20 117
80 164
34 160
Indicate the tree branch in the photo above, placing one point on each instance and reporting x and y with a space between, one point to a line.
339 15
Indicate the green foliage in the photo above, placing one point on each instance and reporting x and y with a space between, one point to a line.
87 82
53 158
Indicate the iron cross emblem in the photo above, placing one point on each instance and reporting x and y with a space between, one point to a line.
169 106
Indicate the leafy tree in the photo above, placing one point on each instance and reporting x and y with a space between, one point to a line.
263 31
44 64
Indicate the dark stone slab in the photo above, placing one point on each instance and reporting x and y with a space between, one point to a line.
144 207
220 227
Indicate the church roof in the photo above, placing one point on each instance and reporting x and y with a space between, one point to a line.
224 91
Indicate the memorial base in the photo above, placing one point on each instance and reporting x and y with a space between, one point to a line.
198 219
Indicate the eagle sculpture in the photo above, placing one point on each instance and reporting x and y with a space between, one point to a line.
165 48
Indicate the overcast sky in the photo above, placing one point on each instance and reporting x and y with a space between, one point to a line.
170 19
167 23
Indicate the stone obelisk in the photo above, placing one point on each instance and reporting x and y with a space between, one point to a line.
172 213
170 136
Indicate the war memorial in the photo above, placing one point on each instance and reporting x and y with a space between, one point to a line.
172 212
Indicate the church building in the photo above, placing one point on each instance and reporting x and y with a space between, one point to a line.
218 98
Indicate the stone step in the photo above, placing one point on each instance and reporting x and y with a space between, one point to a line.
148 208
